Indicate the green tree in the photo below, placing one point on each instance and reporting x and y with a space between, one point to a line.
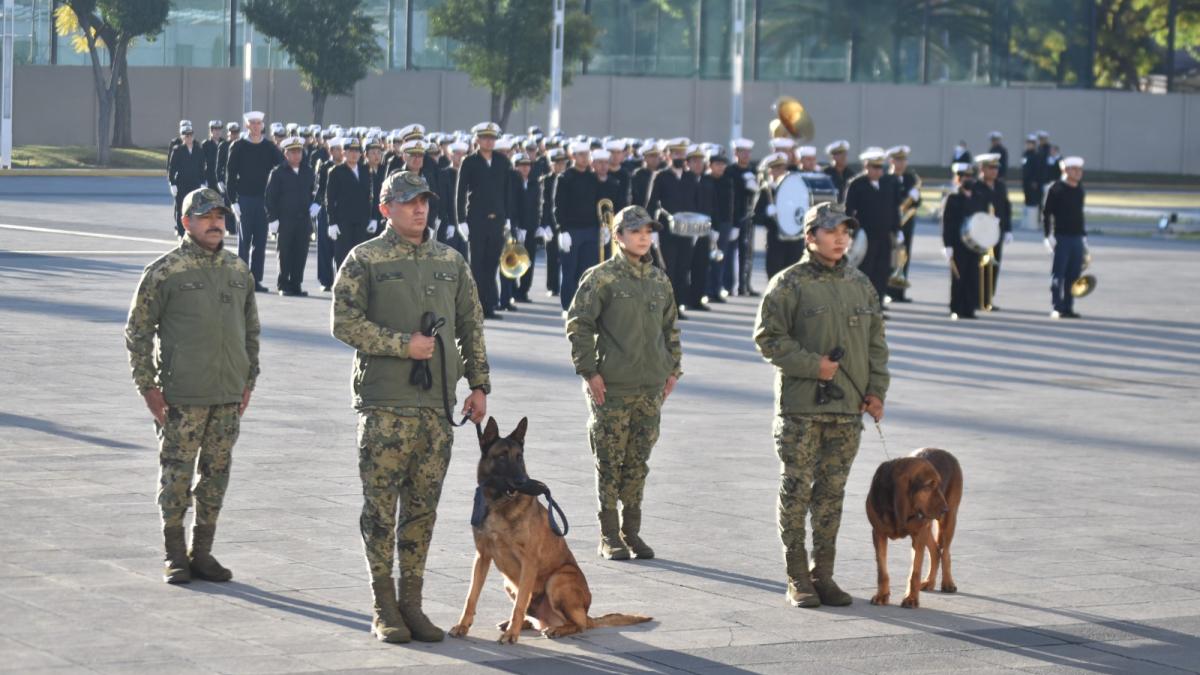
504 45
113 25
332 44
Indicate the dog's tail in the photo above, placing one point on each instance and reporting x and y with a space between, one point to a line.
612 620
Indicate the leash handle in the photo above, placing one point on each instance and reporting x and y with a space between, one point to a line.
550 511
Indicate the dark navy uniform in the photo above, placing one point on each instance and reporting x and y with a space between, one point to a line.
957 207
348 200
186 173
482 196
876 208
674 194
289 196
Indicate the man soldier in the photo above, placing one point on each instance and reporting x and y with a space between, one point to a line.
1066 236
210 147
482 206
575 196
781 254
908 192
412 132
787 147
871 199
373 151
725 234
1030 183
233 132
996 147
817 435
447 184
176 141
745 190
808 158
278 133
404 436
701 246
549 226
839 169
1047 172
290 212
250 161
625 345
616 168
957 207
992 193
186 173
348 201
673 190
197 301
528 202
325 244
610 185
962 154
639 183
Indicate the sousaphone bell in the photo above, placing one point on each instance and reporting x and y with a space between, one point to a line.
791 120
514 259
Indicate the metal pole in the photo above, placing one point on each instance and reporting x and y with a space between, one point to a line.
736 56
556 67
247 68
6 92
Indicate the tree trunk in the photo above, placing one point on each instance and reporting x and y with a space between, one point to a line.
318 106
123 107
494 113
103 96
506 109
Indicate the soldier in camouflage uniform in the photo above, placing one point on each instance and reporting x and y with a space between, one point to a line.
809 309
198 301
625 345
404 439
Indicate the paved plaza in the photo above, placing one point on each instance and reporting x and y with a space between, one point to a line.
1077 549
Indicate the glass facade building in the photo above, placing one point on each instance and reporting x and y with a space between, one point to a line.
902 41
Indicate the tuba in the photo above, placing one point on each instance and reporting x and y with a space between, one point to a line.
606 212
514 259
791 119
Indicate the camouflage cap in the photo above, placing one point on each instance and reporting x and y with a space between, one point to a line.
201 201
828 216
403 186
635 218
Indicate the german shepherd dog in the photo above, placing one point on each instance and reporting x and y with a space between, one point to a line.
907 496
541 576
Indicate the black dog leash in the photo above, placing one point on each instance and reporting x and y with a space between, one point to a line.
421 376
536 488
827 390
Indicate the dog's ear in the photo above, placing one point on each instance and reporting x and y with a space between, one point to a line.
518 434
490 433
902 501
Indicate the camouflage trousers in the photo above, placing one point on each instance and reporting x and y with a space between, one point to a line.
816 454
402 460
196 441
622 432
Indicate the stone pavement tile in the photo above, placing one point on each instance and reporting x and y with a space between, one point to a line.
156 667
965 661
1152 650
363 658
1070 658
18 656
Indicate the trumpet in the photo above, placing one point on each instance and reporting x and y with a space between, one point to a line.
607 214
514 259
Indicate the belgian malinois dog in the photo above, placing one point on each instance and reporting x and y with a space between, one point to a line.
513 529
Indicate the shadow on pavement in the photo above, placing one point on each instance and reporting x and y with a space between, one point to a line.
54 429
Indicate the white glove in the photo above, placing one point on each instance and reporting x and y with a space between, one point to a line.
174 190
464 231
221 187
372 226
520 235
450 230
508 224
948 253
771 210
564 242
237 211
334 231
734 232
542 233
605 237
899 237
314 210
1008 238
654 238
273 227
914 194
1050 243
751 183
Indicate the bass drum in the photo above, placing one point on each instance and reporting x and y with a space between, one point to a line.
820 187
981 232
792 200
858 249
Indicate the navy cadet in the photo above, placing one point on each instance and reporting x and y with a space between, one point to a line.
625 345
290 210
1066 236
993 193
639 183
908 188
839 168
383 289
186 172
674 189
996 146
1030 185
447 183
701 259
177 140
957 207
197 301
871 199
807 155
348 202
250 162
373 151
481 200
720 275
780 253
325 244
210 146
528 202
576 194
745 190
809 310
233 132
557 158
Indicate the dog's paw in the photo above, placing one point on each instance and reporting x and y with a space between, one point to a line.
459 630
949 587
552 632
509 637
881 598
911 601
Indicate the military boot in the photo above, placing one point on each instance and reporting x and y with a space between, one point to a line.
822 580
631 524
800 591
410 610
204 565
386 624
611 546
175 562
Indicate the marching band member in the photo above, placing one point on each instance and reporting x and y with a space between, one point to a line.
780 254
909 196
1066 235
839 169
957 207
745 188
639 188
701 248
808 158
575 195
1029 183
993 192
557 158
673 190
786 146
871 200
720 275
996 147
482 205
447 182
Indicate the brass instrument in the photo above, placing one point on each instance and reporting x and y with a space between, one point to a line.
791 119
1086 283
514 259
606 212
899 278
987 279
908 209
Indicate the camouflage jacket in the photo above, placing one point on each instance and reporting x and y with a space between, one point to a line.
808 310
381 291
201 308
622 325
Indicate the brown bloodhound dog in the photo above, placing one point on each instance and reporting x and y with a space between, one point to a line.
513 529
908 495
